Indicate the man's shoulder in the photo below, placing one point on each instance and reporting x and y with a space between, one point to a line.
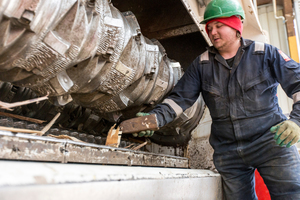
204 56
199 61
255 46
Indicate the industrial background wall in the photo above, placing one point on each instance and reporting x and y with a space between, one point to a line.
277 34
297 22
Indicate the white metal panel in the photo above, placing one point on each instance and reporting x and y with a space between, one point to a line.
275 27
284 101
277 37
263 16
274 30
169 189
252 28
203 129
297 22
38 180
196 11
297 14
282 32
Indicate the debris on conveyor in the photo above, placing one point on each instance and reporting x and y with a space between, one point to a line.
140 146
9 106
66 137
35 132
19 130
15 125
38 121
83 123
113 138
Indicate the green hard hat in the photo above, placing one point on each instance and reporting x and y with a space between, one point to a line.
222 8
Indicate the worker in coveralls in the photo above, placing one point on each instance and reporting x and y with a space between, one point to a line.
238 79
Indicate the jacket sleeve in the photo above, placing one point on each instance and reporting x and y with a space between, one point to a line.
183 95
287 72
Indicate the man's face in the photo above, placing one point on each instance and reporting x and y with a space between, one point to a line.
221 35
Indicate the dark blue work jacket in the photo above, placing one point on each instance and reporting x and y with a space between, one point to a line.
241 99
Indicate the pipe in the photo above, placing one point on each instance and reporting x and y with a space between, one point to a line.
275 11
255 6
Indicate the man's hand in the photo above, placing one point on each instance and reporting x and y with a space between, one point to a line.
286 133
147 133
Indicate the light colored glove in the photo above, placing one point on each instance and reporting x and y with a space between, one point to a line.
147 133
286 133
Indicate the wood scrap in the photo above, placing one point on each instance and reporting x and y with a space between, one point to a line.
66 137
48 126
36 132
8 106
113 137
139 146
127 147
113 145
139 140
22 118
21 130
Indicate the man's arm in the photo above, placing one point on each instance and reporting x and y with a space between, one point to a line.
183 96
287 72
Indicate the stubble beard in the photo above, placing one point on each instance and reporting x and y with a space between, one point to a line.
224 45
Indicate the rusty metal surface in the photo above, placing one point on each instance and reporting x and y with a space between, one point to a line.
196 10
137 124
15 148
37 148
174 32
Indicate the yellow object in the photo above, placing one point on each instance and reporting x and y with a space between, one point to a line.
293 48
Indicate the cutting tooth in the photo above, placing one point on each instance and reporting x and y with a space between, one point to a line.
9 34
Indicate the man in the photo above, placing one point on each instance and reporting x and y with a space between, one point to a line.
238 79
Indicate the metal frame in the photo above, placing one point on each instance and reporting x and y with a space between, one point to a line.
40 148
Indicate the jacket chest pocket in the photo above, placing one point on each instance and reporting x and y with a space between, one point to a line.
215 101
259 94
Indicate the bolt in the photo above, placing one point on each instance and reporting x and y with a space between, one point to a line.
15 149
65 80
